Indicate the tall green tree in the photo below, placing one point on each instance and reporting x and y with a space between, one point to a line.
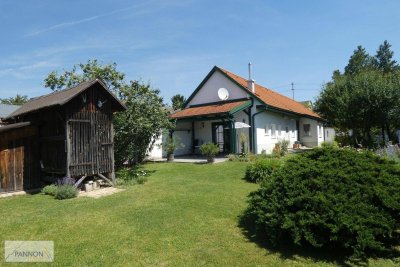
383 59
142 122
364 101
359 61
178 101
16 100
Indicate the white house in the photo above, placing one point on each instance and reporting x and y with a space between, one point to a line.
223 99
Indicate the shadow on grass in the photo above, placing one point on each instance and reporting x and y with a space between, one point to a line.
288 250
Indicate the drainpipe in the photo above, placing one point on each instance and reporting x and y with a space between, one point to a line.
250 123
254 130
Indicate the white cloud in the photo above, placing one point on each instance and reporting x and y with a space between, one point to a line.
140 9
26 71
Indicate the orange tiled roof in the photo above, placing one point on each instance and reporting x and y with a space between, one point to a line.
207 110
272 98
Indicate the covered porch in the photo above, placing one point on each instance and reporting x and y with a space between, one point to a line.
220 123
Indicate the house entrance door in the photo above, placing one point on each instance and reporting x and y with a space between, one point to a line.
221 136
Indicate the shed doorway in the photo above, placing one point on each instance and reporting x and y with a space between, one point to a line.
90 144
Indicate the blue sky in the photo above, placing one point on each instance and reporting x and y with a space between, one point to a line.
174 44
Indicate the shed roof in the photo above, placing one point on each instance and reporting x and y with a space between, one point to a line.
60 98
6 109
14 126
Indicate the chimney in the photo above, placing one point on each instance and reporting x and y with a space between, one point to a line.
250 81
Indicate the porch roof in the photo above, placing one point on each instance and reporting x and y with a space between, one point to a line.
222 108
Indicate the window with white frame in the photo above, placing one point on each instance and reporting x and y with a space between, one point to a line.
267 130
307 129
279 130
273 130
320 130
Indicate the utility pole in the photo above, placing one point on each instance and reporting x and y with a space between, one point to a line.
293 90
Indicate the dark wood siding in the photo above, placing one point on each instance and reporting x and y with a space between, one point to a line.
90 140
19 165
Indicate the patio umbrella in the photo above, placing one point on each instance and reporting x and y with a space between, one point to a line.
240 125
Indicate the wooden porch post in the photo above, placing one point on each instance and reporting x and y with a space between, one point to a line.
68 147
112 155
193 136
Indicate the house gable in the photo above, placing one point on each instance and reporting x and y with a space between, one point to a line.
207 91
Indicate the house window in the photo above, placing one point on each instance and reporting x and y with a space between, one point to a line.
286 129
320 131
327 133
273 130
307 129
279 130
293 133
267 130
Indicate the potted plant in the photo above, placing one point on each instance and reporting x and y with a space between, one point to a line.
170 145
209 150
296 145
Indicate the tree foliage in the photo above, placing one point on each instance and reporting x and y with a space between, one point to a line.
142 122
17 100
86 71
178 101
365 98
359 61
383 60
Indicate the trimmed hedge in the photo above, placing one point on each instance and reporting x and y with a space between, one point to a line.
331 198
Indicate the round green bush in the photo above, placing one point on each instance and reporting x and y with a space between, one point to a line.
261 169
50 190
332 198
66 192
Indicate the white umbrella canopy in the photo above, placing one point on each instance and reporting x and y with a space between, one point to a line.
240 125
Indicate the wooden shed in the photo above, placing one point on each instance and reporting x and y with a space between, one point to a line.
74 130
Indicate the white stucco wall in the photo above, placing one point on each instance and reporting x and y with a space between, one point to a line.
316 136
329 134
209 91
265 139
183 131
156 152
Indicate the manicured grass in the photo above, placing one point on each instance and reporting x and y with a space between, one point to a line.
185 215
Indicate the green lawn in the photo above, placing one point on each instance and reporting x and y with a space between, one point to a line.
185 215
